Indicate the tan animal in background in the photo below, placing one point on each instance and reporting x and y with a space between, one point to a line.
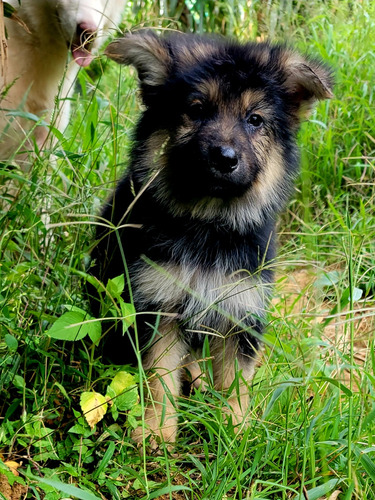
37 63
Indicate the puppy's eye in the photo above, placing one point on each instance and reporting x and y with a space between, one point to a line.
255 120
196 109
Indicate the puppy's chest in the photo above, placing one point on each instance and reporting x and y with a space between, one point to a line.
198 295
204 274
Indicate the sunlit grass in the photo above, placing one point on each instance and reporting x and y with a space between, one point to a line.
311 418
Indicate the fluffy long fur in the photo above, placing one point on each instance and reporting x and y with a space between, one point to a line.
192 222
37 61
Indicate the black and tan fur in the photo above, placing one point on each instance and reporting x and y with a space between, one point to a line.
193 219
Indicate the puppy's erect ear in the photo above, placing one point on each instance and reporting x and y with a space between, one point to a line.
307 81
147 52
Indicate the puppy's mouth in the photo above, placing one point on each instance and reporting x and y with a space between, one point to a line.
81 44
191 185
225 187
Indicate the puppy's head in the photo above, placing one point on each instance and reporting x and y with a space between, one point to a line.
220 120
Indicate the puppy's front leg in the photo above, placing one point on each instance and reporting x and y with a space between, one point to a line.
227 360
164 384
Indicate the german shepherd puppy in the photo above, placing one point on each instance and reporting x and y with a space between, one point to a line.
192 222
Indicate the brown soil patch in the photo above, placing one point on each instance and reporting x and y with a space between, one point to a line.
15 492
300 298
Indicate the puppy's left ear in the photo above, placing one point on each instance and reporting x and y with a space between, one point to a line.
147 52
307 81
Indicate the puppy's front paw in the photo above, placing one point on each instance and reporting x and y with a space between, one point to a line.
158 433
237 413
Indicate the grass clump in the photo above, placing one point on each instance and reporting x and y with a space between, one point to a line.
312 414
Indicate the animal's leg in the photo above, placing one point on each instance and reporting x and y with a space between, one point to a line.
227 361
164 385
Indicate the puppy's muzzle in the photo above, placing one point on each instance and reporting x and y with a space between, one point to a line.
224 159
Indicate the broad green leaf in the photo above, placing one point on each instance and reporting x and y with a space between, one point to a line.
77 429
112 400
71 470
111 395
95 332
94 407
68 489
128 314
94 327
72 307
116 286
19 381
127 400
66 328
11 342
133 415
82 429
74 325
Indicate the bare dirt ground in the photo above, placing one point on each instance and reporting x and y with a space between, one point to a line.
301 297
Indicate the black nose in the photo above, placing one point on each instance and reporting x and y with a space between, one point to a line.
223 158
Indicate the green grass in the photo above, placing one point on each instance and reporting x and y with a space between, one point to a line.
312 414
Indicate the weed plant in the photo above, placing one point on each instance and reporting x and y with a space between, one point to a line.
311 432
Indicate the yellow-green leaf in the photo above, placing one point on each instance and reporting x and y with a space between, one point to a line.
124 391
122 381
93 406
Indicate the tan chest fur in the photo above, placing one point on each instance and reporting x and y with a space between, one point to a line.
203 298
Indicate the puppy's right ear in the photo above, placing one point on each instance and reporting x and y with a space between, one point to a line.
147 52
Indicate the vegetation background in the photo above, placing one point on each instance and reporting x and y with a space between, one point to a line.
312 416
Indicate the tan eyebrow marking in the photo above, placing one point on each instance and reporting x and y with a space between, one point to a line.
210 89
